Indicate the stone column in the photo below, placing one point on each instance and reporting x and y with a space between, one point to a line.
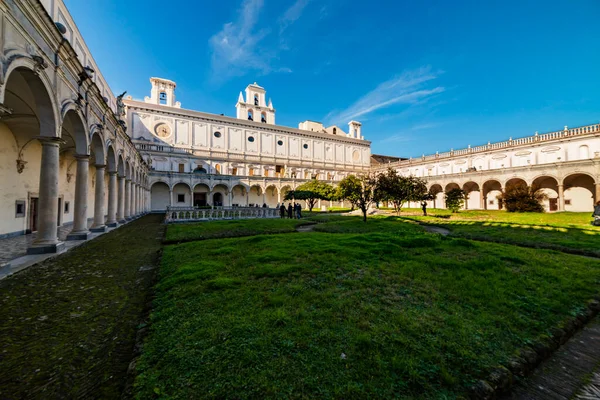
111 220
133 198
121 202
230 198
47 234
99 225
279 196
171 198
597 199
127 199
481 200
561 198
80 228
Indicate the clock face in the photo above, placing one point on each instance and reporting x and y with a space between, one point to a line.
162 130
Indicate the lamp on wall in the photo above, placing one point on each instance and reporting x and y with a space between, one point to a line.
61 28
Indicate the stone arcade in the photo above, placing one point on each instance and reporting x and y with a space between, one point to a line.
74 155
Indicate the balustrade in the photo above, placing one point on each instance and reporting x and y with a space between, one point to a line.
190 214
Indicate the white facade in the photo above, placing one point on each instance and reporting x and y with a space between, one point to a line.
565 164
199 149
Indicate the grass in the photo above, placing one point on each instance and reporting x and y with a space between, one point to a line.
68 325
569 232
356 310
232 228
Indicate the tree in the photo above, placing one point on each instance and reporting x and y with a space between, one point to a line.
311 191
397 189
455 199
358 190
523 198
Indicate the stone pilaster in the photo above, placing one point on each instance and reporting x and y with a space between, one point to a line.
111 219
80 226
121 201
99 225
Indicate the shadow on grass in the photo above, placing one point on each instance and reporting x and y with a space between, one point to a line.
572 240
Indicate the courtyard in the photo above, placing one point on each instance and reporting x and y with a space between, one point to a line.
326 307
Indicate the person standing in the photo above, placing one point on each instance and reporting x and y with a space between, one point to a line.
424 208
282 210
290 211
298 211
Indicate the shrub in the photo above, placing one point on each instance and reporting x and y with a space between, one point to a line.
523 198
455 199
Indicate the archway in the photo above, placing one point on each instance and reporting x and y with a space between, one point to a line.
238 196
28 204
271 196
255 196
579 192
220 195
549 186
438 196
182 195
159 196
473 194
201 195
492 190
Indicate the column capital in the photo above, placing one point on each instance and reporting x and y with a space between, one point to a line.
100 166
111 173
121 176
127 179
49 140
82 157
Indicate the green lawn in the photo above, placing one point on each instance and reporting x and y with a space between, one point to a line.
356 310
569 232
232 228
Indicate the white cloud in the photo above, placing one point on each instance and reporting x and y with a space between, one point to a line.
292 14
241 47
408 88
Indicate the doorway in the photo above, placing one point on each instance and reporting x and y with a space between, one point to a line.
33 214
199 199
217 199
553 206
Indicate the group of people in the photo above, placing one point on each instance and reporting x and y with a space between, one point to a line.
294 211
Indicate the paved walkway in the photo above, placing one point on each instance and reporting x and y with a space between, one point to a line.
566 375
16 246
68 325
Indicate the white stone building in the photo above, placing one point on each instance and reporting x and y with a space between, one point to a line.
71 157
206 159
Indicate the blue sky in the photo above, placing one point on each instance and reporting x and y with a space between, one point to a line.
422 76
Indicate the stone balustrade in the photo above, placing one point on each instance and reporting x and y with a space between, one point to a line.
529 140
191 214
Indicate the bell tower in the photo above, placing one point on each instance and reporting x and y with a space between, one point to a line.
163 93
255 107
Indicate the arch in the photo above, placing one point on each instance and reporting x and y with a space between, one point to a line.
255 195
111 160
160 196
491 190
24 87
121 165
220 186
217 199
200 170
73 128
263 117
182 194
239 195
437 192
584 152
255 99
451 186
515 181
474 197
98 149
250 115
579 192
271 195
548 185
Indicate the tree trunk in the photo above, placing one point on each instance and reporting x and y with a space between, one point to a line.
364 211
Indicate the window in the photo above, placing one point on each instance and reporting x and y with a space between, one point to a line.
181 167
251 139
200 170
217 134
280 142
250 171
20 209
305 146
181 198
567 202
255 99
67 206
218 168
266 172
491 202
233 171
263 117
279 171
335 131
162 97
250 115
